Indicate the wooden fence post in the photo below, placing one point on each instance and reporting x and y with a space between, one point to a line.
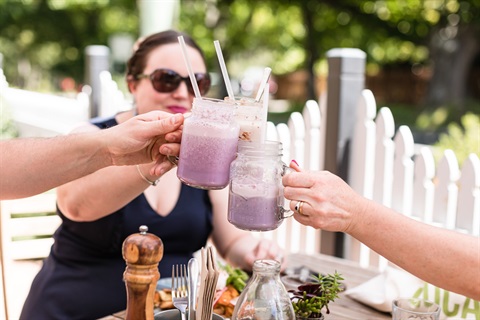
346 80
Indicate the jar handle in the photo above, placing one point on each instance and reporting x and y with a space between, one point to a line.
286 169
285 213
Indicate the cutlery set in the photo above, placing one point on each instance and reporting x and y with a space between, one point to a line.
180 292
195 306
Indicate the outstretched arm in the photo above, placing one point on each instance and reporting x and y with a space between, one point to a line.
442 257
34 165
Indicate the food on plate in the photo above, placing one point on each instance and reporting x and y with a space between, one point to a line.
236 277
231 283
163 299
224 299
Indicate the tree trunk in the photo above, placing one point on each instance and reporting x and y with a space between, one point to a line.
311 51
452 51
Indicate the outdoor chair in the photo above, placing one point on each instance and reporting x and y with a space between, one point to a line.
27 226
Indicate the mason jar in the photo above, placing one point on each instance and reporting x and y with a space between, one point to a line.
256 200
209 144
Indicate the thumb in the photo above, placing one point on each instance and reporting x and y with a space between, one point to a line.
166 125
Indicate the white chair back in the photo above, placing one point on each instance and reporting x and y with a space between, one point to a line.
27 226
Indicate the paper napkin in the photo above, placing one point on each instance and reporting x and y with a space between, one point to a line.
380 291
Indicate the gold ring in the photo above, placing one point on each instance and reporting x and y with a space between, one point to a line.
299 206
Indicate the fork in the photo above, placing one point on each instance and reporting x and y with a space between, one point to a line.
179 288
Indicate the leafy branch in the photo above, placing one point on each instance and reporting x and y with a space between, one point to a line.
310 298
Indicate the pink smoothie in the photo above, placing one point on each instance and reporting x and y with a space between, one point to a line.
205 160
253 213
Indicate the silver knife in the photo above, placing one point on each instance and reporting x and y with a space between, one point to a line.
192 287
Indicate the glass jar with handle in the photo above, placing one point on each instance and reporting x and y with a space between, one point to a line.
209 144
256 200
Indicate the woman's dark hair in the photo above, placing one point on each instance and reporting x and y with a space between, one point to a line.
136 63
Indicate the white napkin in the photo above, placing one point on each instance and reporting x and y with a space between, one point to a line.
380 291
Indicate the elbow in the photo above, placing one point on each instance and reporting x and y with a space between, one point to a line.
70 207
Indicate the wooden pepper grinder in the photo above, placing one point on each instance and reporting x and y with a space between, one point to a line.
142 252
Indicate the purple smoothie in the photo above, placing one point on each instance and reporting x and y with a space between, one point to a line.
205 160
253 213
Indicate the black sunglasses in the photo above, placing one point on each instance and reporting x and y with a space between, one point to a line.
166 80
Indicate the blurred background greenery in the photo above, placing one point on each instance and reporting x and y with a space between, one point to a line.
423 56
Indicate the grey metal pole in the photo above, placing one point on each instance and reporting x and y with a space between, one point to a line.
96 61
346 80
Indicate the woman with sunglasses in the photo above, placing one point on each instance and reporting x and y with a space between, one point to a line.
82 277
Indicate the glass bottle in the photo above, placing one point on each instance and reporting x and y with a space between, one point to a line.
264 297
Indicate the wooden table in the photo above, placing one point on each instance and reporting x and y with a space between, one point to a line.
343 308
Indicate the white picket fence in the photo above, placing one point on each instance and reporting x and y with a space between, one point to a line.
386 170
383 168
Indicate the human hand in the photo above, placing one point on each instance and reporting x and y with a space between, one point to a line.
328 202
265 249
145 138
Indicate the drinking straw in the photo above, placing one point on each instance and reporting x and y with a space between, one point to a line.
263 132
189 67
266 75
224 70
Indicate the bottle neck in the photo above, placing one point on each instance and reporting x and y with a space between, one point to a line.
266 267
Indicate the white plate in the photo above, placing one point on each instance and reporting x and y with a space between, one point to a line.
164 283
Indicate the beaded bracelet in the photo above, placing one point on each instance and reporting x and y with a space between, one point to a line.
153 183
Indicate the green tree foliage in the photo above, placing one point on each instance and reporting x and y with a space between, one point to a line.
286 35
47 38
463 138
290 35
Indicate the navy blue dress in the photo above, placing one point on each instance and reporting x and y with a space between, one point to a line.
82 278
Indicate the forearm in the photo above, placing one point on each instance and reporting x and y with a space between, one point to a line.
445 258
243 246
32 166
100 193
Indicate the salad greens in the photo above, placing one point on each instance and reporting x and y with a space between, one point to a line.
236 277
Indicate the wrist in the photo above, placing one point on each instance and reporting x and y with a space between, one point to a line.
362 216
96 147
147 178
103 140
